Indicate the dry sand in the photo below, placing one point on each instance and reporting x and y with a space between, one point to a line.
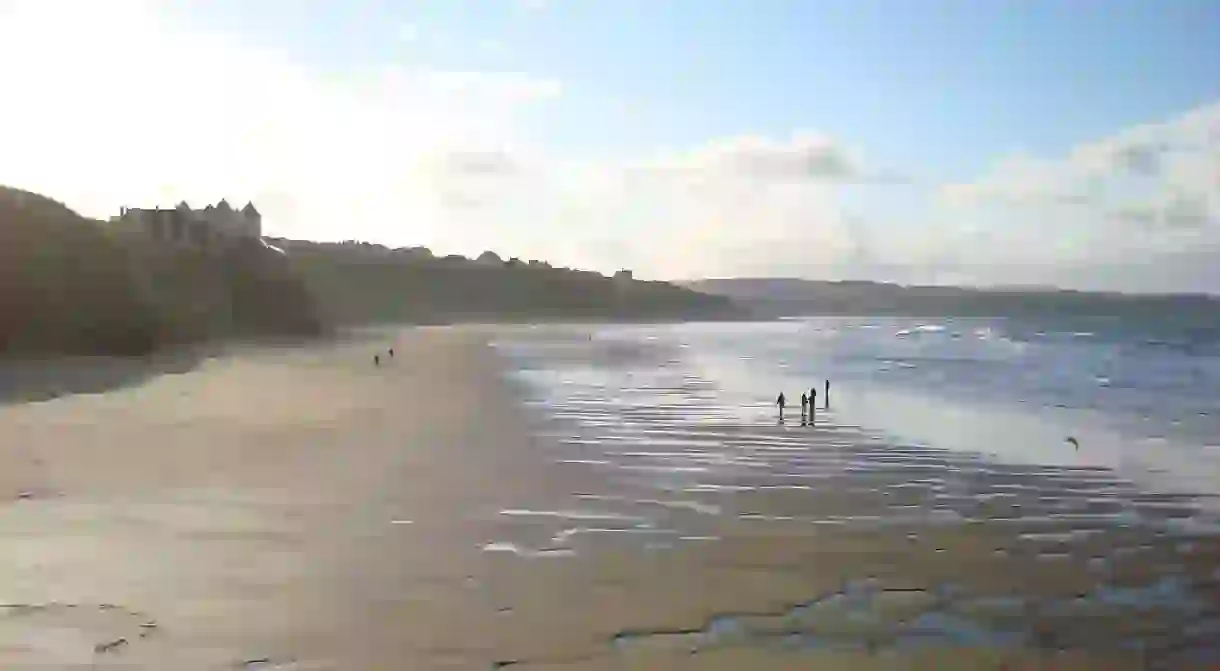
301 509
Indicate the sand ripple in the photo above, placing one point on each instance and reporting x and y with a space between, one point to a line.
947 548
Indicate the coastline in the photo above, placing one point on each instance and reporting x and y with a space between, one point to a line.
1051 557
42 376
269 493
302 509
32 379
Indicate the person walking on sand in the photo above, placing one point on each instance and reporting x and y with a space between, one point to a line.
391 352
779 401
804 406
376 359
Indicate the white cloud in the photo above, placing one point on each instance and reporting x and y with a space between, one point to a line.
1165 174
803 156
1138 199
1024 179
408 32
511 87
696 220
124 105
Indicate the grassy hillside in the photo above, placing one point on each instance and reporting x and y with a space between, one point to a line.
66 284
357 283
71 285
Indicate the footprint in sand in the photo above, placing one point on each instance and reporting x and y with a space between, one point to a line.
53 635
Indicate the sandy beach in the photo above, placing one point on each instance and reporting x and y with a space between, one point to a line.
299 508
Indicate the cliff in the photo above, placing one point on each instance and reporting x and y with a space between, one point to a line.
66 284
359 282
72 285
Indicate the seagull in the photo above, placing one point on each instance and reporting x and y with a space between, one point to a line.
1075 442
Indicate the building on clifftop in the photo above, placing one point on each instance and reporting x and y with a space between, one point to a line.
214 226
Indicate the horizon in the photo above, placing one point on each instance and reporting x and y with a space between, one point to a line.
1018 288
937 144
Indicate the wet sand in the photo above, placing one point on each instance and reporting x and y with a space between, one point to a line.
42 379
301 509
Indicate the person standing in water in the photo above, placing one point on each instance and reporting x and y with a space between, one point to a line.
376 359
826 396
804 405
780 403
813 403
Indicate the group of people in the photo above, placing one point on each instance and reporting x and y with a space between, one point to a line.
809 404
377 357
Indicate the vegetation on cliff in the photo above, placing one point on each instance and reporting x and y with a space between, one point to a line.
72 285
66 284
361 282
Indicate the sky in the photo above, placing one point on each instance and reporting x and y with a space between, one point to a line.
916 141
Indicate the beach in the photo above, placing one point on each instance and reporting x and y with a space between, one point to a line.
472 504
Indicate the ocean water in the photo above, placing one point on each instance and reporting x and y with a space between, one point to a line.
667 436
1141 399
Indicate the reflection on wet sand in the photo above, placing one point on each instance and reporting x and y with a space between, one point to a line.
720 536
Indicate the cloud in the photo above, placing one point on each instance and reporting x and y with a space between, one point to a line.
1022 179
507 86
408 32
756 205
1165 173
496 162
1140 199
126 104
804 156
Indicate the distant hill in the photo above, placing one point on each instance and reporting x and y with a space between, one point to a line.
360 282
73 285
773 297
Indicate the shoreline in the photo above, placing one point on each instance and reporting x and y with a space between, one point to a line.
344 332
1005 431
35 377
853 504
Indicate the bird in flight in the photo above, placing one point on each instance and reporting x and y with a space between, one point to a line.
1074 442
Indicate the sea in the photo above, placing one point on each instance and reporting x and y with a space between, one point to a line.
668 436
1142 399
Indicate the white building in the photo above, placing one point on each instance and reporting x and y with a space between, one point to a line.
214 225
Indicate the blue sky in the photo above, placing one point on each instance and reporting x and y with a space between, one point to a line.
675 137
936 85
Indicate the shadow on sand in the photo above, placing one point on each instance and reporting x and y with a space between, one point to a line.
30 380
